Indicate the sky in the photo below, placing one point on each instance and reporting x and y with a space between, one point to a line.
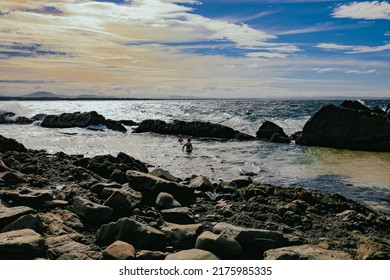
210 48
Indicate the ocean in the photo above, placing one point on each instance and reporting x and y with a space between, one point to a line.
361 176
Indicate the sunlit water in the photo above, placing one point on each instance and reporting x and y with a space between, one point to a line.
361 176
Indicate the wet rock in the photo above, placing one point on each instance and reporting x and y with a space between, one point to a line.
179 215
28 221
11 214
192 254
119 250
166 201
27 197
253 241
9 144
201 183
151 186
195 128
164 175
230 186
305 252
150 255
222 245
132 232
123 201
91 212
21 244
182 236
338 127
268 129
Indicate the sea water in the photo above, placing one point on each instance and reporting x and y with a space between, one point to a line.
361 176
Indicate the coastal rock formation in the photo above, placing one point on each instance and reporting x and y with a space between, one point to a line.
195 129
345 128
272 132
11 118
78 119
9 144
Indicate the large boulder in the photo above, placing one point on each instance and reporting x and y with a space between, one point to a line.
140 235
78 119
354 105
91 212
9 144
11 118
123 201
222 245
21 244
343 128
195 128
119 250
179 215
305 252
271 132
30 221
11 214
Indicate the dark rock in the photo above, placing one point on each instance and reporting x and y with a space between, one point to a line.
27 197
11 214
28 221
21 244
195 128
98 188
164 175
151 186
10 118
305 252
123 201
182 236
91 212
192 254
132 232
166 201
56 203
354 105
119 250
222 245
39 117
179 215
9 144
378 110
201 183
279 138
268 129
337 127
296 135
78 119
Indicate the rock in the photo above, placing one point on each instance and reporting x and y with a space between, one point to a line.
78 119
123 201
39 117
182 236
192 254
163 174
27 197
9 144
378 110
98 188
222 245
151 186
342 128
268 129
55 203
280 138
305 252
21 244
132 232
195 128
179 215
11 214
91 212
11 118
237 183
150 255
201 183
166 201
253 241
119 250
354 105
28 221
371 250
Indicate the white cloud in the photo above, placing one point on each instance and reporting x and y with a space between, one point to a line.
359 72
266 55
323 70
353 49
363 10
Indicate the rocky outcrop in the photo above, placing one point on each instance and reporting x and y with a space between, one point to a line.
272 132
11 118
11 214
78 119
354 105
345 128
195 129
9 144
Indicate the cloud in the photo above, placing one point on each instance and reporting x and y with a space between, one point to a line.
323 70
363 10
358 72
353 49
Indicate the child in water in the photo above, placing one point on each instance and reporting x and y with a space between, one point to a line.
188 146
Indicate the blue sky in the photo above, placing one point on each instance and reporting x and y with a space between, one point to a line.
214 48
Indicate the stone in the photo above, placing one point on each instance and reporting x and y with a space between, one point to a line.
10 144
28 221
123 201
192 254
150 255
132 232
91 212
221 245
21 244
201 183
354 105
342 128
163 174
305 252
119 250
253 241
371 250
55 203
166 201
182 236
151 186
179 215
11 214
98 188
280 138
27 197
268 129
195 128
242 181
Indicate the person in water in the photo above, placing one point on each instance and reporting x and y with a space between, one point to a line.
188 146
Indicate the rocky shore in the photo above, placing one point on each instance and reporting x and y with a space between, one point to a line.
59 206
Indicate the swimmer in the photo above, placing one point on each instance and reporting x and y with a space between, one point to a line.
188 146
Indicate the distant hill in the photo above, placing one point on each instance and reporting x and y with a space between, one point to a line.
41 94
